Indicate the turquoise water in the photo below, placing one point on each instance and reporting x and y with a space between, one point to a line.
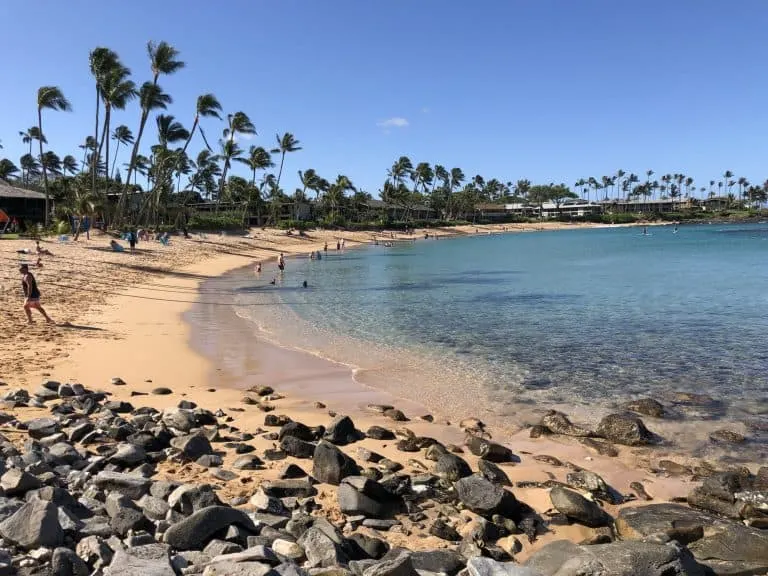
577 317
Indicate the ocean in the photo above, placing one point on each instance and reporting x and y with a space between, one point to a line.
506 326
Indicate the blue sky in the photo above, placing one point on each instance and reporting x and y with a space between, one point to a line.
549 90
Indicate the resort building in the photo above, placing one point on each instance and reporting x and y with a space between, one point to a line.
23 205
576 208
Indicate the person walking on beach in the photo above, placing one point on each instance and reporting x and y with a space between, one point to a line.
258 268
343 243
132 240
326 248
338 245
281 262
31 294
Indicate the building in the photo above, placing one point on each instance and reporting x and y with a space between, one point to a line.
571 208
23 205
657 206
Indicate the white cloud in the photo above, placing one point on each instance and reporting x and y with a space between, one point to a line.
425 110
394 122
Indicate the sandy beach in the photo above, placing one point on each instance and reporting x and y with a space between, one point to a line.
121 316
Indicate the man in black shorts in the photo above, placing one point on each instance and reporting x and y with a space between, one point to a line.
31 294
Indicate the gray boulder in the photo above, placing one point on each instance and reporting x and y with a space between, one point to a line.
491 451
330 465
633 558
149 560
625 429
486 498
65 562
178 418
480 566
192 445
438 561
231 568
361 495
493 473
16 482
42 427
192 532
396 562
342 431
558 423
132 486
578 508
128 455
296 430
33 525
297 447
452 467
320 549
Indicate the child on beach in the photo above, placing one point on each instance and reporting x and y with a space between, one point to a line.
31 294
281 262
258 268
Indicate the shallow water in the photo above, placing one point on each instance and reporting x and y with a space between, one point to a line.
511 324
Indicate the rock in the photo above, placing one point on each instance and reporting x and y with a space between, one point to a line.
150 560
132 486
291 471
445 562
320 549
33 525
288 549
342 431
616 559
395 414
646 407
394 563
129 519
42 427
444 531
178 418
493 473
731 548
625 429
65 562
360 495
16 482
231 568
594 484
193 531
215 461
380 433
154 508
297 430
258 553
248 462
267 504
452 467
408 445
192 446
726 437
600 446
288 488
674 469
578 508
128 455
161 391
491 451
296 447
479 566
330 465
485 498
558 423
189 498
640 491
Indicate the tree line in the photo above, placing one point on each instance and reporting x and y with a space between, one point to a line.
174 177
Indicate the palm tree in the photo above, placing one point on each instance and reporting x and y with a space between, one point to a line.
29 165
237 123
207 107
285 143
169 131
49 98
51 163
309 179
742 182
102 61
122 135
151 97
68 165
727 177
258 159
116 91
7 169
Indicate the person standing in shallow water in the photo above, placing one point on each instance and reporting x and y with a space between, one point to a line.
281 262
31 294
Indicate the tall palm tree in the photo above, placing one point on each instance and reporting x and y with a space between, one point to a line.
122 135
116 91
237 123
163 59
207 107
309 179
51 163
30 166
68 165
727 177
285 143
48 98
102 60
151 97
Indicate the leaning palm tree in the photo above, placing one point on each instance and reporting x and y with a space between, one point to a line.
169 131
163 59
51 163
49 98
286 143
207 107
727 177
7 169
122 135
116 91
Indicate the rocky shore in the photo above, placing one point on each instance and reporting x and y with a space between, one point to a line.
94 485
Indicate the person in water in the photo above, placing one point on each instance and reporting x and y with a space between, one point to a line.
258 268
304 284
319 256
281 262
31 294
325 249
311 255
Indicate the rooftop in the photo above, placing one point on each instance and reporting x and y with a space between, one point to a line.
8 191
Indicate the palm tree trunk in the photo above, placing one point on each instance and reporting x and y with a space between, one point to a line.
131 166
94 161
280 172
191 133
114 162
42 164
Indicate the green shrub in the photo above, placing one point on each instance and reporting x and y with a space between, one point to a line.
296 225
619 218
214 221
